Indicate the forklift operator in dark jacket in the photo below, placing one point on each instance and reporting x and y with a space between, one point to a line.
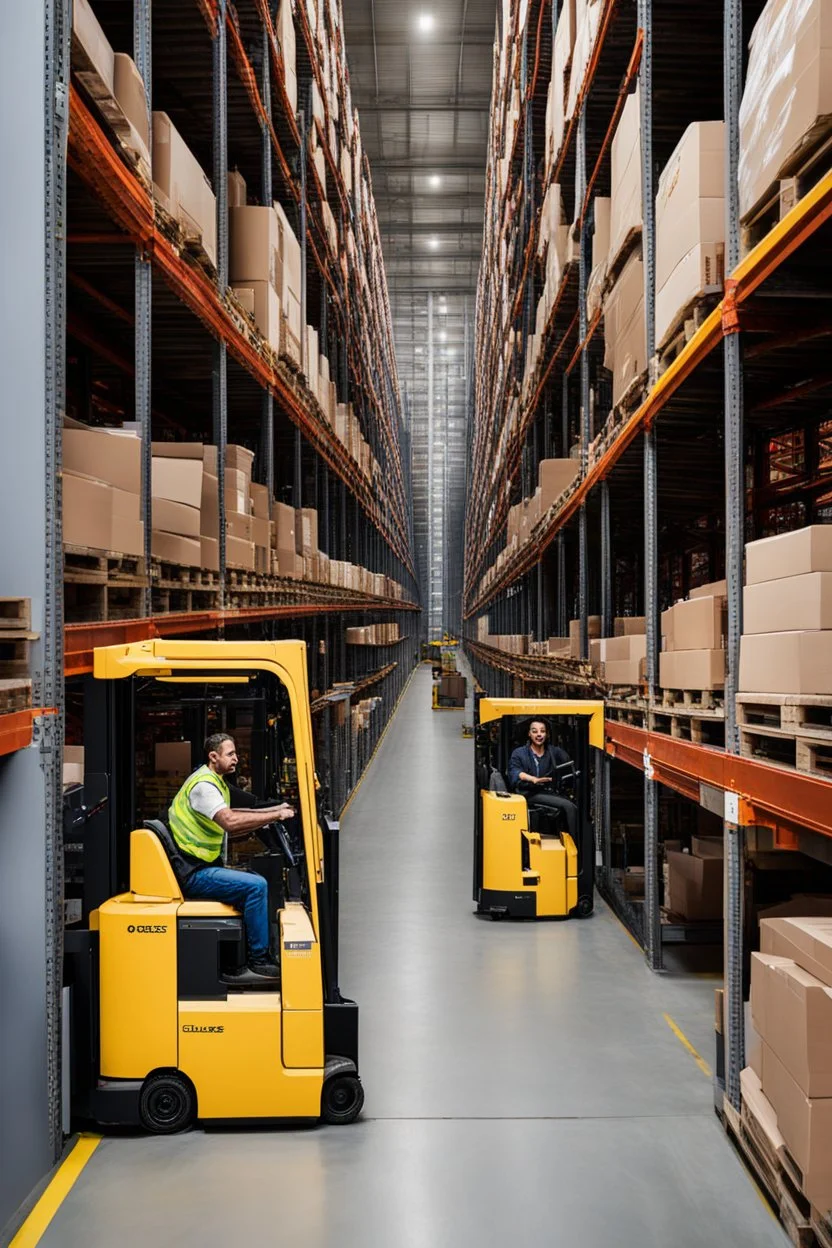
531 771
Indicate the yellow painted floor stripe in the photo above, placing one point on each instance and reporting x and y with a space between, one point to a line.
683 1040
378 746
50 1202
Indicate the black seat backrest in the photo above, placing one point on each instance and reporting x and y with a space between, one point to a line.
181 869
496 783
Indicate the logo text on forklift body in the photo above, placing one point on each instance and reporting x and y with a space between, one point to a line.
148 929
298 946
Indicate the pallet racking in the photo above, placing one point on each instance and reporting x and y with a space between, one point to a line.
661 501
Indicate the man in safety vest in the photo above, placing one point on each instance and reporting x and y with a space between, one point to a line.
200 818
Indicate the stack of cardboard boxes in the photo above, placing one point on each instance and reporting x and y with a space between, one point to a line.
787 620
593 633
285 30
264 270
690 225
558 97
694 886
788 1082
181 187
112 76
588 14
373 635
788 95
285 560
179 471
693 640
621 659
102 489
602 208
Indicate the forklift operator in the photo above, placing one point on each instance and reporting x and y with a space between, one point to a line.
531 771
200 818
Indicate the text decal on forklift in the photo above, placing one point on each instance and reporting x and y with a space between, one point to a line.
295 946
192 1027
148 929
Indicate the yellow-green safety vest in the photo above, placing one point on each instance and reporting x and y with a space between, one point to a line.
195 833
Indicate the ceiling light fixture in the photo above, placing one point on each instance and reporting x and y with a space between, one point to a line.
435 181
443 337
426 23
433 243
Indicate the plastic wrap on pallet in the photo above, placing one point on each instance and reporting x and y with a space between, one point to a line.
787 102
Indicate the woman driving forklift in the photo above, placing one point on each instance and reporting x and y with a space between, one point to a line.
533 771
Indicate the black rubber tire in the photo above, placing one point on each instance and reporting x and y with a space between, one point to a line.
167 1104
342 1100
584 907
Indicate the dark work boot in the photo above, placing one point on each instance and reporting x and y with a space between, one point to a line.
264 967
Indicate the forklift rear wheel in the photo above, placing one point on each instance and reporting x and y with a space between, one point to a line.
584 907
167 1104
342 1100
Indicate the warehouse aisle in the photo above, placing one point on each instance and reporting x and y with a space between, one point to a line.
521 1079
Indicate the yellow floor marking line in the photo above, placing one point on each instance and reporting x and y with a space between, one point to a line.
683 1040
378 746
50 1202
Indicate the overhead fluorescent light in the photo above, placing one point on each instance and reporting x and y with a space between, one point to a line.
435 181
426 23
433 243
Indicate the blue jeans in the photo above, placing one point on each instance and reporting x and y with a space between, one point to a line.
243 890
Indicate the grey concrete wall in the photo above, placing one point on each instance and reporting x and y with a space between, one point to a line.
25 1147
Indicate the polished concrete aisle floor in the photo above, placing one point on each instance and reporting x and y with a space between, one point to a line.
522 1081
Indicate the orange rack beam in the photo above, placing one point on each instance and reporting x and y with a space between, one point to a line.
771 796
80 640
16 730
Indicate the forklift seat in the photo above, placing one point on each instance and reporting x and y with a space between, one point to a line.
151 873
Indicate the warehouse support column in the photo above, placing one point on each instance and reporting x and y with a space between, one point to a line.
734 550
32 365
603 760
583 540
142 50
220 369
652 923
267 427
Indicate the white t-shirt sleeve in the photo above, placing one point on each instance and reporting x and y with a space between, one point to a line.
206 799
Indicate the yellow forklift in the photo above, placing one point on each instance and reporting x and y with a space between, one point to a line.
526 863
163 1029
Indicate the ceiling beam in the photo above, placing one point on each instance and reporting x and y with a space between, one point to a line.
449 161
439 104
422 228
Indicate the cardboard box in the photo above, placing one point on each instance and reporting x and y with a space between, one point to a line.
87 511
237 491
798 662
593 632
761 1108
690 224
236 189
692 669
173 548
789 554
714 589
794 604
624 671
806 1127
555 476
238 525
261 532
261 301
173 517
209 511
699 624
86 29
113 457
806 941
793 1012
306 531
694 887
254 247
239 553
179 480
630 625
126 535
623 649
625 353
260 501
210 552
187 450
788 94
626 210
239 459
131 95
184 187
283 517
174 757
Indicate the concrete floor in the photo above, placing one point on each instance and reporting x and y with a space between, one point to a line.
521 1079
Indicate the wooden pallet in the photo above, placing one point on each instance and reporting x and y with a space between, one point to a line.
15 613
189 246
767 1168
15 695
690 319
86 566
633 396
111 111
692 699
167 575
14 654
702 727
800 174
101 585
811 755
801 714
615 269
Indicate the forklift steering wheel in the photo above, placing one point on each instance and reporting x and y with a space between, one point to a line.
274 837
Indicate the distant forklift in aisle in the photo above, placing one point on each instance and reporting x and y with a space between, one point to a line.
164 1027
534 858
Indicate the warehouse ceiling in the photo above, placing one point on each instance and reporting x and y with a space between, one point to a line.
421 80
